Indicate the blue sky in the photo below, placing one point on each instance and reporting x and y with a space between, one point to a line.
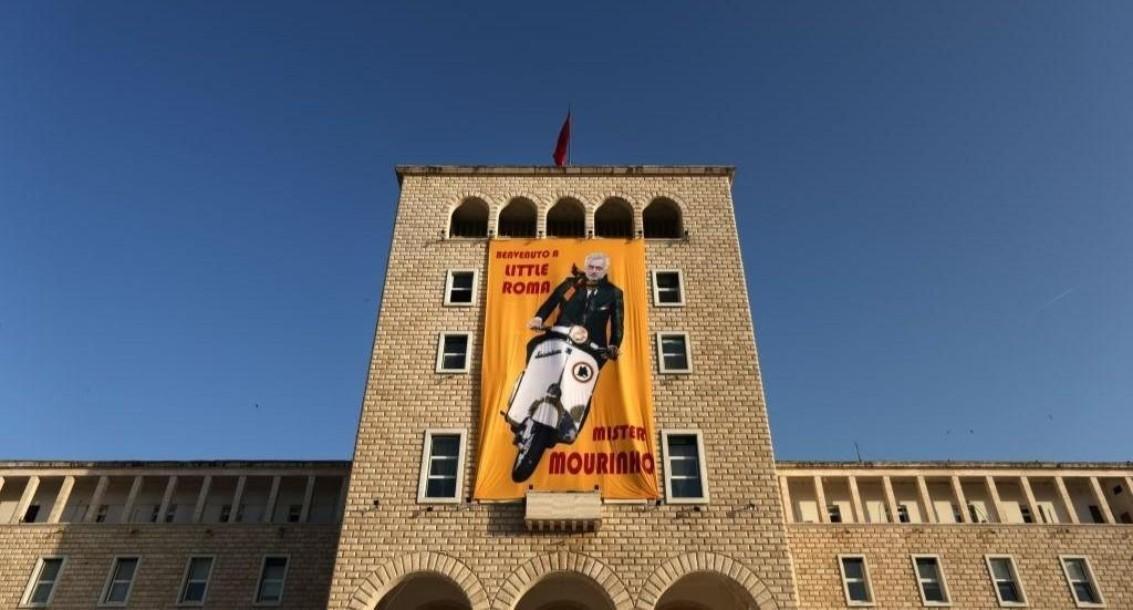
935 204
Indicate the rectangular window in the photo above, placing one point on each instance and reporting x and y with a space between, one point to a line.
685 472
668 289
930 577
452 352
460 288
121 580
269 591
442 467
1081 580
196 582
294 513
902 513
101 513
1005 580
673 353
41 586
855 580
1096 514
1047 514
31 514
835 513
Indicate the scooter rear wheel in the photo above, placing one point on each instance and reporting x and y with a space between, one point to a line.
526 461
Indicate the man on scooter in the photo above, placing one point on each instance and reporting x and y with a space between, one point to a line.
591 301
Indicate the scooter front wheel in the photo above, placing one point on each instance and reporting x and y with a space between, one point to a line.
531 452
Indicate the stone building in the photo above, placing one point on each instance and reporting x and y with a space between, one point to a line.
398 528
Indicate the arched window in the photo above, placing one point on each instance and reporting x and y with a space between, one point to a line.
662 219
469 219
518 218
567 218
614 218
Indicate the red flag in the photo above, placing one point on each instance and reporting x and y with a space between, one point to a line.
562 145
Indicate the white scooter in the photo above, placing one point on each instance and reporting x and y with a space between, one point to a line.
551 398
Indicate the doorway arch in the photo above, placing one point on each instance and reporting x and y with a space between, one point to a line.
535 584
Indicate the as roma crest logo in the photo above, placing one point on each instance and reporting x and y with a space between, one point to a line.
582 372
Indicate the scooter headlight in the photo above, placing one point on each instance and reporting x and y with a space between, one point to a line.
579 334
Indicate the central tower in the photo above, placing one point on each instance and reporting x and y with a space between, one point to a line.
597 316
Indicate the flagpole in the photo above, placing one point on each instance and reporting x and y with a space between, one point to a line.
570 118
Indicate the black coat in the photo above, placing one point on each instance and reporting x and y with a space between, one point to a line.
605 309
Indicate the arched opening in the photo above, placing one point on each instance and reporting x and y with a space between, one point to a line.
518 218
567 218
565 591
706 591
469 219
662 219
614 218
425 591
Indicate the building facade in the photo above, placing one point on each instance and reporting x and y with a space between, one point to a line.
728 528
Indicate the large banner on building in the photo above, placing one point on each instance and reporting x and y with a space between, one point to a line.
566 400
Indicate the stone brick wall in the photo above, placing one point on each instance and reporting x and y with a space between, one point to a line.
487 544
165 550
887 549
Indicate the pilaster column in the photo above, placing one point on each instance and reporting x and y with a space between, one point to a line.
308 494
993 493
1067 504
1099 496
890 499
340 504
61 499
1029 494
856 498
273 495
166 498
202 498
96 499
926 500
961 501
236 498
820 497
135 488
25 499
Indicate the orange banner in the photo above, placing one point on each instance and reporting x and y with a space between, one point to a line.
566 400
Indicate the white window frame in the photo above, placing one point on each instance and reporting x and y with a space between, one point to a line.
102 601
448 287
260 580
441 348
657 289
37 569
703 466
943 581
1015 578
661 368
426 455
1089 573
846 585
208 580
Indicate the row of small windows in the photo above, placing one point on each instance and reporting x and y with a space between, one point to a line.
454 349
123 572
442 467
1003 575
668 288
661 219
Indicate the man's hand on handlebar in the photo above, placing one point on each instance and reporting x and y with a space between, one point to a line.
612 352
536 323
